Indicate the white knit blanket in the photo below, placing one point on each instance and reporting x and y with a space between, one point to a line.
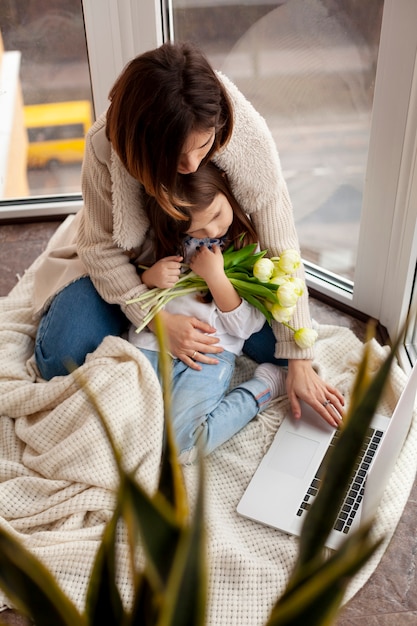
57 474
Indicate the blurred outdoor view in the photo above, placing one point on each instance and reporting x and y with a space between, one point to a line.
44 58
308 66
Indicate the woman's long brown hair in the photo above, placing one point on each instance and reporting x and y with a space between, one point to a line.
159 99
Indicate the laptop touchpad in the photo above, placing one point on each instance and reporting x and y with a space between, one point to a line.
294 456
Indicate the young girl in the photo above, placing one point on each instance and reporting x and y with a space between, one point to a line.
203 410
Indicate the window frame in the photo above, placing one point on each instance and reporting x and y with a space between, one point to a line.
116 32
387 249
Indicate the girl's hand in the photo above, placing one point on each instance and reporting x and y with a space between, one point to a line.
188 340
164 273
305 384
208 264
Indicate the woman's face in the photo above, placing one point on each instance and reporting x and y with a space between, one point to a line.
212 222
196 147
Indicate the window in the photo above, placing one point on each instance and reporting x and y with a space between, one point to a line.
346 129
309 69
46 94
325 75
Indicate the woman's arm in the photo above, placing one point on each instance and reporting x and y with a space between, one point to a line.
108 265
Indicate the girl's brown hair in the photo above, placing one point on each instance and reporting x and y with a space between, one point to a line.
159 99
197 191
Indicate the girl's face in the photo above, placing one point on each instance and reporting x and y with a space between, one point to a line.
195 149
212 222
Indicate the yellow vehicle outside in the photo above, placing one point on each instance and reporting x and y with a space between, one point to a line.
56 132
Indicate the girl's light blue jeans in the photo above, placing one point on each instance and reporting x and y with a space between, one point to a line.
203 410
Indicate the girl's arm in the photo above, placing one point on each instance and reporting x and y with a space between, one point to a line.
209 265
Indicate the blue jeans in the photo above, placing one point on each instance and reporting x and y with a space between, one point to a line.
261 347
78 320
202 408
74 325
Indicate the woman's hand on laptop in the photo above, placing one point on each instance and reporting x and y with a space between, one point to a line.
303 383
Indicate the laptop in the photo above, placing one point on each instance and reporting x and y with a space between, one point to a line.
285 483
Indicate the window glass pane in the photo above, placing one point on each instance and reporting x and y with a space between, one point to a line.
309 67
45 97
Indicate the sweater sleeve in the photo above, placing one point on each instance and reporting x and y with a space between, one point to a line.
108 265
253 167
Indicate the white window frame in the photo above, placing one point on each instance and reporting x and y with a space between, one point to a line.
387 248
117 30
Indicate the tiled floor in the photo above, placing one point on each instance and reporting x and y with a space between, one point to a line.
390 596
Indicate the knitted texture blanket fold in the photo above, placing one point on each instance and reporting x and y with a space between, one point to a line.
57 475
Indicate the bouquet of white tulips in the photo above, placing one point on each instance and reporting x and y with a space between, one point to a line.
268 284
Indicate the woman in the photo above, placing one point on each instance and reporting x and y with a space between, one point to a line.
169 112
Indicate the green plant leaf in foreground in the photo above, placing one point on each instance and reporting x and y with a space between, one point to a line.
171 480
323 512
312 595
104 604
171 539
186 591
32 588
186 595
321 587
151 523
155 520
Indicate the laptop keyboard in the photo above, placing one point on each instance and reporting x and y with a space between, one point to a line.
355 490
